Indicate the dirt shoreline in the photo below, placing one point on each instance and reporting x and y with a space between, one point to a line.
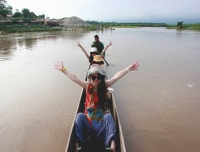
24 34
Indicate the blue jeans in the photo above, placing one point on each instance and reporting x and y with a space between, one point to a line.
107 132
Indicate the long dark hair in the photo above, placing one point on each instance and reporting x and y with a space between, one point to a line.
102 93
100 63
91 58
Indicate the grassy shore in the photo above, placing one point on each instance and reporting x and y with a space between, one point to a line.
32 28
186 27
93 28
13 30
125 26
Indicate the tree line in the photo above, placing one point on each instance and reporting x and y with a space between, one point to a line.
6 9
142 24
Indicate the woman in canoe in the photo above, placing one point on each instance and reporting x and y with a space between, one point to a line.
97 59
93 51
94 117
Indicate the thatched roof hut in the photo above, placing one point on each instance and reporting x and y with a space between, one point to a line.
9 15
20 21
47 20
39 20
54 22
8 21
2 21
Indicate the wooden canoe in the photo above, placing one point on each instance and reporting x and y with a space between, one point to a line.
113 110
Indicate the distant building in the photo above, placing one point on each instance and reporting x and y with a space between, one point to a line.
20 21
54 22
39 20
47 20
9 15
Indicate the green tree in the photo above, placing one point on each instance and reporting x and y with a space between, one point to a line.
180 24
17 14
2 4
32 15
41 16
25 12
5 8
3 13
8 10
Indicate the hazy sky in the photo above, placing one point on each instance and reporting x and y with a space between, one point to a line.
114 10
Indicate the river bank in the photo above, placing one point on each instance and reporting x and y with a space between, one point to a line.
26 34
20 32
5 31
186 27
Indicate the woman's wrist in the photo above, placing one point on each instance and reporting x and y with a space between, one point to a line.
64 70
127 70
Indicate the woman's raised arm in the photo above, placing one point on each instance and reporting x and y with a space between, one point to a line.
106 48
59 66
84 51
120 74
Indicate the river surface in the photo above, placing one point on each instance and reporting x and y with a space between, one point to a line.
158 105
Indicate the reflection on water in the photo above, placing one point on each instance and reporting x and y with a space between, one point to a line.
6 48
27 41
178 33
158 105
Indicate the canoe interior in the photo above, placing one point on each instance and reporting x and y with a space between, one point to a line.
121 146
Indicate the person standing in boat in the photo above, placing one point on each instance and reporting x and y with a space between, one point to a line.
94 117
99 45
93 51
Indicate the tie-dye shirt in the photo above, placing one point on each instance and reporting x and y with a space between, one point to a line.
92 110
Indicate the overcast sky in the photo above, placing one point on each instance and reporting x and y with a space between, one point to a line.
165 11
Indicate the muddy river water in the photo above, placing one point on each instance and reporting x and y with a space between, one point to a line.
158 105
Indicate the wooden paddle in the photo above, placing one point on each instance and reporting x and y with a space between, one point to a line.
105 61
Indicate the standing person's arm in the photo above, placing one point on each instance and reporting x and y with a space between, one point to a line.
59 66
101 49
84 51
106 48
120 74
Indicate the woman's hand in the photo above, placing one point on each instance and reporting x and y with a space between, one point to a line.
134 66
78 43
59 65
110 43
102 53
